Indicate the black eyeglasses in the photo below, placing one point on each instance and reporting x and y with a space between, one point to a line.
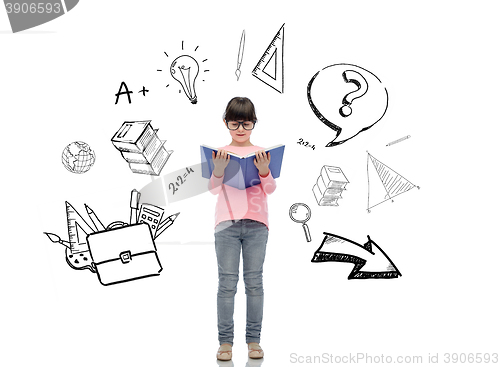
235 125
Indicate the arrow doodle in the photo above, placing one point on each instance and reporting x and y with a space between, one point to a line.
370 261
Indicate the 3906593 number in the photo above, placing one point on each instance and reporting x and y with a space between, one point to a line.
471 358
33 8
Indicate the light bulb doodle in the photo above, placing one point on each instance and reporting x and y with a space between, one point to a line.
185 69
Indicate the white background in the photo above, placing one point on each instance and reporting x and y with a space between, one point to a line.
439 62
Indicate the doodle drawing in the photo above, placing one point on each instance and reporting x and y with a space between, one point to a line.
125 253
78 157
135 196
240 56
270 67
77 249
119 252
362 100
370 261
140 146
301 213
329 186
389 185
185 69
398 141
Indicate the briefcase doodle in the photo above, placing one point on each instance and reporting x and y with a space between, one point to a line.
124 254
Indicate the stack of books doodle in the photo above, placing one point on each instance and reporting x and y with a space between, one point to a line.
329 186
140 146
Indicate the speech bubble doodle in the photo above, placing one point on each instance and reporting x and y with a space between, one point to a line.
344 83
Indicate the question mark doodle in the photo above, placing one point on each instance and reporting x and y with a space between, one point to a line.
332 83
351 76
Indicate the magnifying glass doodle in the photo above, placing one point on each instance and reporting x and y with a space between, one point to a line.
301 213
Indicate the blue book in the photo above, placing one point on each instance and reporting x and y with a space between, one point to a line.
241 172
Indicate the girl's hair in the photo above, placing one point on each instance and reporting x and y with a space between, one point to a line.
240 108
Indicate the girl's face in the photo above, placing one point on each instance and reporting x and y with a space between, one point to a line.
241 137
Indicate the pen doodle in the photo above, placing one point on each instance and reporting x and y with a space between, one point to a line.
390 185
135 197
335 83
329 186
370 261
270 67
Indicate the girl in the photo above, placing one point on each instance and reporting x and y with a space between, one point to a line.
241 226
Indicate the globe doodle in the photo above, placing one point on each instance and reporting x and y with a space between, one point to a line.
78 157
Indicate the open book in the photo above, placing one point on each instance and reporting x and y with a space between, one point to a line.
241 172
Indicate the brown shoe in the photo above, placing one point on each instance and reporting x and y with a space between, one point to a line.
225 352
255 351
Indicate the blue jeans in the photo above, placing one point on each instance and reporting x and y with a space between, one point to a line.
249 238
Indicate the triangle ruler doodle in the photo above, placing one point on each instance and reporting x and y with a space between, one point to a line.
78 230
384 183
270 68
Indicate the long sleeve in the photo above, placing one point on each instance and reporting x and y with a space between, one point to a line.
215 184
268 183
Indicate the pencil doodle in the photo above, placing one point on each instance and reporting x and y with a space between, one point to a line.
270 67
301 213
119 252
398 141
370 261
329 186
185 69
335 83
140 146
391 183
240 56
164 224
78 157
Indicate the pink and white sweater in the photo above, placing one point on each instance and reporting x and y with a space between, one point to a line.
250 203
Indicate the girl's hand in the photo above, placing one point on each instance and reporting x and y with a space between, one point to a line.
221 160
262 161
